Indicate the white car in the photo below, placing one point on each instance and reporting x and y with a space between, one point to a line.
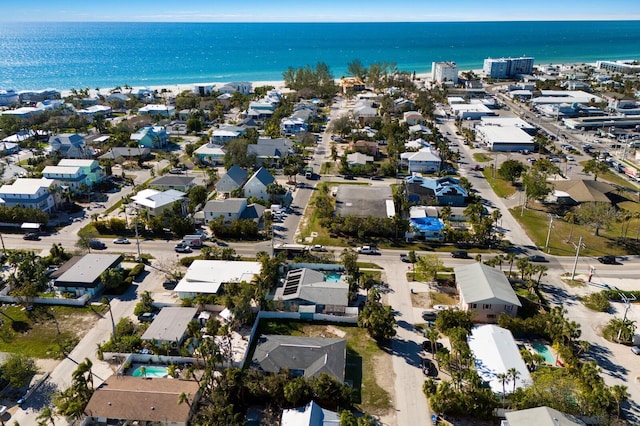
444 307
121 240
317 247
570 158
367 250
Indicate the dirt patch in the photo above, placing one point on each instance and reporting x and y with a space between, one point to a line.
386 381
421 300
78 323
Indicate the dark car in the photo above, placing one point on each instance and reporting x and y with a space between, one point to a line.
460 254
405 258
349 177
427 347
97 245
429 315
170 284
146 317
537 258
428 367
31 236
607 260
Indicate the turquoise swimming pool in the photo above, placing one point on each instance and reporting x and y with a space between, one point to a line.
333 277
150 371
545 351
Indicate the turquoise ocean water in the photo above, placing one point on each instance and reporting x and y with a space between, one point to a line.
78 55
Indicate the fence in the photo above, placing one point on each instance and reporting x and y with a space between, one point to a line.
80 301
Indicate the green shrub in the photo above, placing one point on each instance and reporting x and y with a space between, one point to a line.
188 260
136 270
597 302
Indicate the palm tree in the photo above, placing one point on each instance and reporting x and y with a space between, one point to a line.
106 302
185 398
510 257
620 395
514 375
432 334
503 377
571 218
45 416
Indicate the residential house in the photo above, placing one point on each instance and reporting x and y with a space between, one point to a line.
365 147
306 286
81 274
486 292
208 276
424 227
23 112
358 159
444 191
152 137
170 326
540 416
351 84
8 148
9 97
156 202
69 145
117 99
416 144
119 154
291 126
412 118
365 112
301 356
91 169
269 152
229 209
226 133
31 96
243 87
257 184
90 112
176 127
179 183
420 129
425 160
232 180
204 89
495 352
28 192
134 400
310 415
158 109
70 177
577 191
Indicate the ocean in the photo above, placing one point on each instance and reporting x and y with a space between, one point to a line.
104 55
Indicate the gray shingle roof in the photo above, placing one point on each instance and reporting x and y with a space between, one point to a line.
308 356
170 324
478 282
172 181
233 179
230 205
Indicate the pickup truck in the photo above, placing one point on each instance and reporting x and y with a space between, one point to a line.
367 250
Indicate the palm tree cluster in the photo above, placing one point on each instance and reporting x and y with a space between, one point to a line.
71 402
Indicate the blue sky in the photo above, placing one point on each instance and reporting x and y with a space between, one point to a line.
317 11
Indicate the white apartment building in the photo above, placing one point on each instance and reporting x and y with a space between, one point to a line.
444 72
27 192
507 67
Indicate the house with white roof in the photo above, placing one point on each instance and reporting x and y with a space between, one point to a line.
90 112
358 159
309 415
158 109
540 416
486 292
91 168
412 118
207 276
365 112
23 112
425 160
69 145
243 87
226 133
471 111
257 184
495 352
210 153
156 202
71 177
152 137
28 192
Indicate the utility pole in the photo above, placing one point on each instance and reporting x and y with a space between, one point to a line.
575 263
546 245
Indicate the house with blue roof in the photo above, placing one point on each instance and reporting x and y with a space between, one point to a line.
444 191
152 137
423 227
232 180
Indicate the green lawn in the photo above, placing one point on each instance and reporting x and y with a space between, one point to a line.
501 187
42 332
481 157
363 359
536 225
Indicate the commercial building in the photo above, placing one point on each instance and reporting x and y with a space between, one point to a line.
442 72
505 139
507 67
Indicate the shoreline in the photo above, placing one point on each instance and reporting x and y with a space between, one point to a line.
177 88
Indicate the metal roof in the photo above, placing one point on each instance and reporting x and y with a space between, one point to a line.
170 324
478 283
87 270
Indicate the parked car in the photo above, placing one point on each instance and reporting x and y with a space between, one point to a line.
635 350
169 284
317 247
367 250
460 254
121 240
429 315
607 260
427 347
31 236
537 258
445 307
428 367
570 158
349 177
146 317
176 171
97 245
377 177
405 258
182 248
478 168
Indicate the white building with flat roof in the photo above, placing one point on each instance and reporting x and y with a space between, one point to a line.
155 202
504 139
471 111
444 72
507 67
207 276
28 192
565 96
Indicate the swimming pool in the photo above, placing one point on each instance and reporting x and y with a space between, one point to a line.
333 277
545 351
150 371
